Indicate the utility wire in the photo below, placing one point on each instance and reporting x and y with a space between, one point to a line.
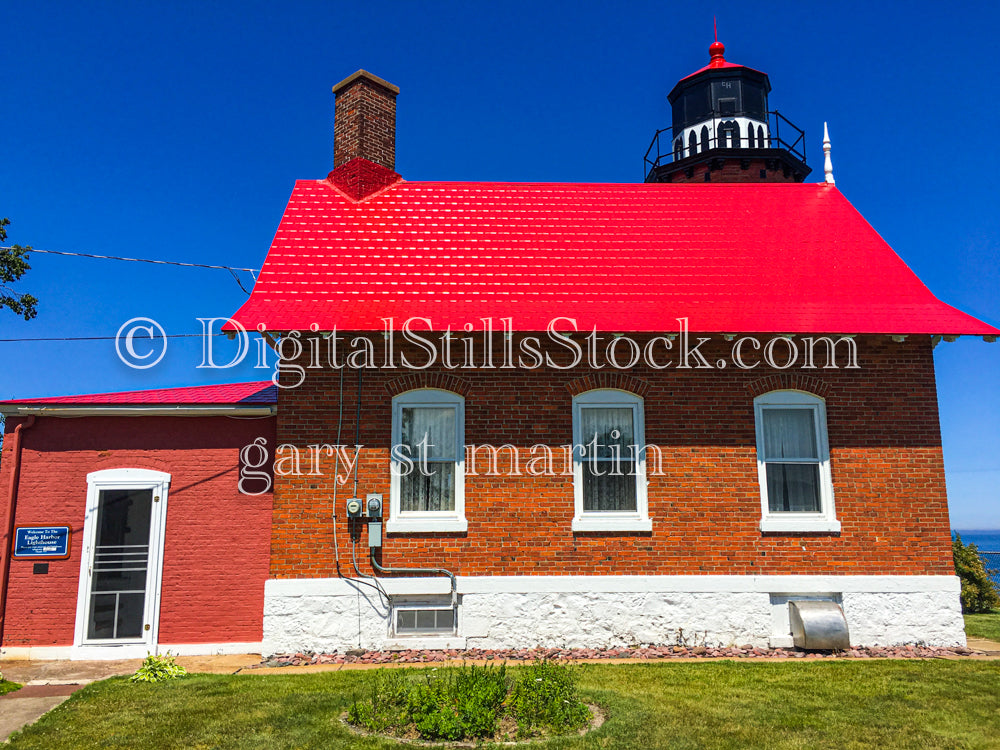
110 338
139 260
232 269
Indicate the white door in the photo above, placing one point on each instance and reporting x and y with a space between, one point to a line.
122 559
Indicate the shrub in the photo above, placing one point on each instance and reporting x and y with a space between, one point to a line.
544 696
158 668
470 702
979 594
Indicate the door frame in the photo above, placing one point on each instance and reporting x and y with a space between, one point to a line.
123 479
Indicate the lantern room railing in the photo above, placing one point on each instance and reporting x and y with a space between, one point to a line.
779 130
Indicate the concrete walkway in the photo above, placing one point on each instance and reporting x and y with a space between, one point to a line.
26 706
991 648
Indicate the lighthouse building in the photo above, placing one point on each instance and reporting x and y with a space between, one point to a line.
760 450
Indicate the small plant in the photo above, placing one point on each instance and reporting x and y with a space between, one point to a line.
461 703
544 697
7 686
979 593
156 668
386 707
470 702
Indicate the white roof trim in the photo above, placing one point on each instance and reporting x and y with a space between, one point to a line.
137 410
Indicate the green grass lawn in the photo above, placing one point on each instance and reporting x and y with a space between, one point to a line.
724 704
983 626
8 687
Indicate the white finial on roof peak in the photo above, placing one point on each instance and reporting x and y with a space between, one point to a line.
827 162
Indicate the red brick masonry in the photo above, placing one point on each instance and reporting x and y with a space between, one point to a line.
885 448
216 549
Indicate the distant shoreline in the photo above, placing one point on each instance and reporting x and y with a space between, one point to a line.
975 531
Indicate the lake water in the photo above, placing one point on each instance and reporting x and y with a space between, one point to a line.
987 540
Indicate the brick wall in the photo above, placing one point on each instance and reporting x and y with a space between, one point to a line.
732 171
216 548
886 462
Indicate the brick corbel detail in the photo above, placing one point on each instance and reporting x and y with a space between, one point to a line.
785 381
417 380
617 380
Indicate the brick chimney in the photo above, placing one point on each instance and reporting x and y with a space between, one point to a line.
365 120
364 136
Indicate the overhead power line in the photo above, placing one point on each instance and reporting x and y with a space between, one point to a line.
232 269
110 338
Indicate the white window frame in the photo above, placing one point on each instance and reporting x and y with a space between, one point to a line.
428 521
637 520
794 521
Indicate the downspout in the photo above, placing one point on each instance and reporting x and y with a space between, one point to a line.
8 551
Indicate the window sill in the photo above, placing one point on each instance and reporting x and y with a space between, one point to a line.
420 642
426 525
588 523
806 525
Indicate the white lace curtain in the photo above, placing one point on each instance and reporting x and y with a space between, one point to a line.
789 433
429 432
609 471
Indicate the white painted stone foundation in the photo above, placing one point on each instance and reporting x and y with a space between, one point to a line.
327 614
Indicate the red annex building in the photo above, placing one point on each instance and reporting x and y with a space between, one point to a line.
641 411
148 485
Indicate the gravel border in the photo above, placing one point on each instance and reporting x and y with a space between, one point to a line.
652 653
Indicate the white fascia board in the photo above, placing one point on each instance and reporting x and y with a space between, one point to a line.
109 410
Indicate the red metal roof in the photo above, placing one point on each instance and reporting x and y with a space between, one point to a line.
712 66
263 392
717 51
786 258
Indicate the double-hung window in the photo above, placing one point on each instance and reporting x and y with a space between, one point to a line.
793 463
427 462
609 471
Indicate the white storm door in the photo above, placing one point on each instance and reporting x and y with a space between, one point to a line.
120 575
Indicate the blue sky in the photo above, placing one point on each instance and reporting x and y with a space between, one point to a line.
175 131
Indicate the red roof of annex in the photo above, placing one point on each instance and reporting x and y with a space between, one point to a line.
257 393
780 258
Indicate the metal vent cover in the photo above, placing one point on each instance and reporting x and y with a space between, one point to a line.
818 625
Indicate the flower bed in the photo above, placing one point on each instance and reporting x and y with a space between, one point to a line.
471 703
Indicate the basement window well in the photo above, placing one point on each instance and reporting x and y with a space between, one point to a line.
423 618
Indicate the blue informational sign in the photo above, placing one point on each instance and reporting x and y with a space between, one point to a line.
41 541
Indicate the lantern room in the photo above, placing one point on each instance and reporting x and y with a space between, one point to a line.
721 106
720 114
